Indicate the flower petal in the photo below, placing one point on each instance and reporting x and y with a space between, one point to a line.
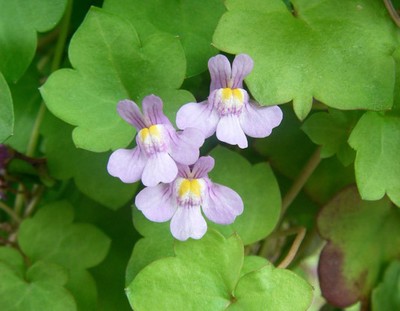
242 65
188 222
130 112
229 131
185 145
127 164
159 168
183 170
223 205
220 71
202 167
257 121
153 110
156 203
198 115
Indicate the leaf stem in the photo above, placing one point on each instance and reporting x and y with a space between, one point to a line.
301 180
59 50
392 11
10 212
291 195
293 249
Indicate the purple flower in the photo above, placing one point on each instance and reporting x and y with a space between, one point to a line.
228 110
182 200
159 145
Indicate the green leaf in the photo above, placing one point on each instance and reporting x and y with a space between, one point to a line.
112 64
27 99
295 55
377 166
193 22
19 22
269 289
41 287
156 244
205 275
6 110
52 236
386 296
362 237
332 130
258 188
202 276
88 169
290 157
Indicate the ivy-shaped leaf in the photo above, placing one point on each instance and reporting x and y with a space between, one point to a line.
258 188
296 54
19 22
88 169
386 296
39 287
362 237
112 64
377 165
6 110
205 275
332 130
52 236
192 21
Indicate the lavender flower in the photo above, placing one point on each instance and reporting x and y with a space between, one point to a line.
182 200
159 145
228 110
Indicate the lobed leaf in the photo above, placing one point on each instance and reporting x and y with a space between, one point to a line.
19 22
40 287
362 237
89 170
376 140
327 50
193 22
205 275
331 130
112 64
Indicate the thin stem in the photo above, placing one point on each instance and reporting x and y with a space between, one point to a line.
33 203
392 11
301 180
293 250
293 192
59 50
10 212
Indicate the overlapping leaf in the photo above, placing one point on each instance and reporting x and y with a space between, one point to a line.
88 169
6 110
52 236
112 64
39 287
258 189
386 296
215 263
332 130
377 165
362 237
26 98
192 21
327 50
19 22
